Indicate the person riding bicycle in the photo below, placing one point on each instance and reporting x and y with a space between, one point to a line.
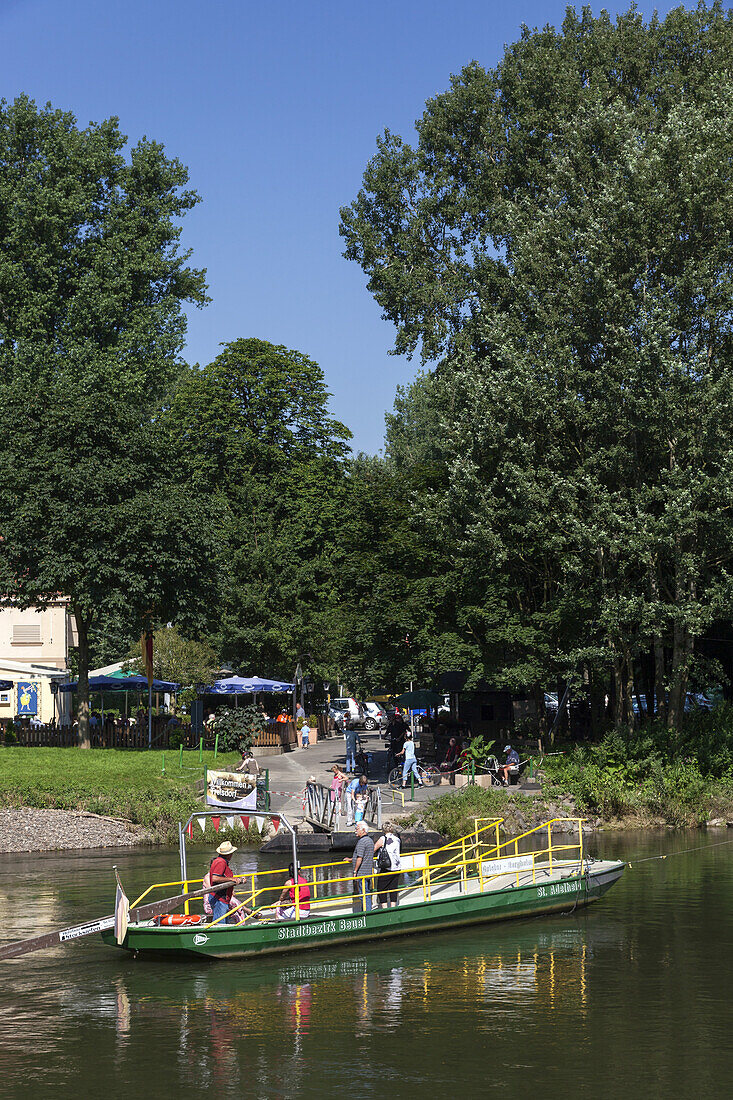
410 762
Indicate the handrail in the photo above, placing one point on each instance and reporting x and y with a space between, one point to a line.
467 858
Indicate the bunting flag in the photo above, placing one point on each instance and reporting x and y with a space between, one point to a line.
189 830
202 823
260 823
232 821
215 822
245 821
276 823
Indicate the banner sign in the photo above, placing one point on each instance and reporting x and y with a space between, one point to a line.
231 790
28 697
508 863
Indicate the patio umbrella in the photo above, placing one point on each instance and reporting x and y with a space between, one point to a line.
245 685
416 700
115 683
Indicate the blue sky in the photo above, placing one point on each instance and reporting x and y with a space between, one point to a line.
274 107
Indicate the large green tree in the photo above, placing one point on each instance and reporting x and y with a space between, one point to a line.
259 443
92 281
559 237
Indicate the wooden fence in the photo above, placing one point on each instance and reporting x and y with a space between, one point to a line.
114 734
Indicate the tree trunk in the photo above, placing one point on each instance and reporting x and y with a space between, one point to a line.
597 706
619 708
562 708
660 700
82 690
539 700
681 654
660 696
628 689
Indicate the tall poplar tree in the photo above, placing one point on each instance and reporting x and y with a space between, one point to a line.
560 239
92 281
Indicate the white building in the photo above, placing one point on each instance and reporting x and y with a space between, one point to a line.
34 653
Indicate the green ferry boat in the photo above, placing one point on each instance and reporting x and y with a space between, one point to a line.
473 880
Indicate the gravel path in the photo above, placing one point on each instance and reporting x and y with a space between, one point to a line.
34 830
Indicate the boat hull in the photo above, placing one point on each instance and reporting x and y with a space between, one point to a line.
242 941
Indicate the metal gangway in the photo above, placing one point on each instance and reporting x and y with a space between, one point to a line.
330 814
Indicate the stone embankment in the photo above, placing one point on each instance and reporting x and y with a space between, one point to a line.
36 830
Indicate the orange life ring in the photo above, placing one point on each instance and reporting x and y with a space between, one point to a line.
181 918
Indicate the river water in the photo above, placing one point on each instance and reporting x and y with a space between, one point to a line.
631 997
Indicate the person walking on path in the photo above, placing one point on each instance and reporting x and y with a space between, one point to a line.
388 867
361 869
396 730
410 762
350 735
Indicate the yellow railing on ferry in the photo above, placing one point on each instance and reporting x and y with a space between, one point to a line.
456 862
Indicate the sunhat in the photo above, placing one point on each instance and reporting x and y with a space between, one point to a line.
226 849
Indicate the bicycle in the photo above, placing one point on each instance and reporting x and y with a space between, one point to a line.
428 773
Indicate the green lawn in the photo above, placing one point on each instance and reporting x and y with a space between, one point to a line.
128 785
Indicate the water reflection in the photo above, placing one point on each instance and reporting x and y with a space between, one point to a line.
446 1012
356 995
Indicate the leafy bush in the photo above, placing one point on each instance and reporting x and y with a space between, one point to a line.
176 737
650 772
237 727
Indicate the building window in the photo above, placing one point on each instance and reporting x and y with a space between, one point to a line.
27 634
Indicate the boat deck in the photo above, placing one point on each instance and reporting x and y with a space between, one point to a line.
453 888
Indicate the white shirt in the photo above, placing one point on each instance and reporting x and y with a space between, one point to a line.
393 846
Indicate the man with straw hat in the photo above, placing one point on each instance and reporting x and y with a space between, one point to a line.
221 872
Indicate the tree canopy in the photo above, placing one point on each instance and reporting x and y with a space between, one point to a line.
259 443
559 240
92 280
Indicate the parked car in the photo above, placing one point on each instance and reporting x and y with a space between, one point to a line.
375 716
352 711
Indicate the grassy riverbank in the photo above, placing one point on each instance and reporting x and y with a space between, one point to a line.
128 785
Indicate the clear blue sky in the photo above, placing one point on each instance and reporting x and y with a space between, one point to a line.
274 107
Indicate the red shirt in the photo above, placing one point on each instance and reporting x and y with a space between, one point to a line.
219 866
304 894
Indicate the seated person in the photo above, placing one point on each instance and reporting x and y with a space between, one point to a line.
512 759
450 761
286 901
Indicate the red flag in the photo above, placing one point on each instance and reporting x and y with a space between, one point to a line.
245 821
215 822
276 823
189 830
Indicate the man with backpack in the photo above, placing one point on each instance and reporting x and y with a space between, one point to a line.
387 852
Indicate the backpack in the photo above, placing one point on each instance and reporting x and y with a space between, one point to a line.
384 860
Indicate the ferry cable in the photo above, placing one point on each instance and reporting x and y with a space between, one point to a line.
683 852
